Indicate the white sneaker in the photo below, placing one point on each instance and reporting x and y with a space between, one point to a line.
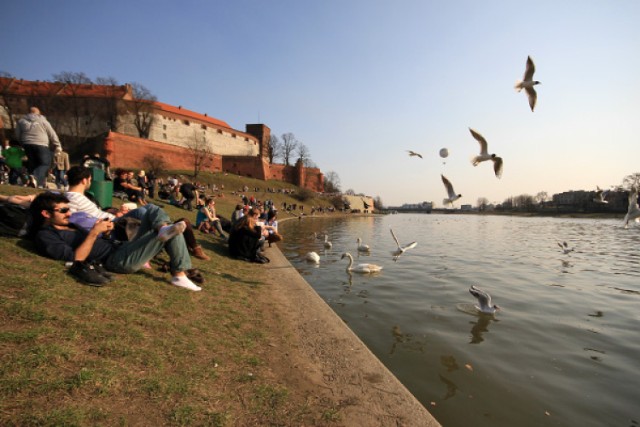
184 282
168 232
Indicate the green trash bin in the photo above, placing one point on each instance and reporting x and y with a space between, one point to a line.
97 174
103 193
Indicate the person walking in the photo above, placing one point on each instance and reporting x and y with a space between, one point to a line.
36 134
60 168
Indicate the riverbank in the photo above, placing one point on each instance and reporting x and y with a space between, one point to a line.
326 358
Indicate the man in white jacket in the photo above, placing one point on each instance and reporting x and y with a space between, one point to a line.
36 135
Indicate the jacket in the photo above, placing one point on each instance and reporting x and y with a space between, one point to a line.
35 129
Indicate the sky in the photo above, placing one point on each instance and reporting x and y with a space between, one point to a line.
359 82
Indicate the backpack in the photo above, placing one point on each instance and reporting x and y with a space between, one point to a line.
14 220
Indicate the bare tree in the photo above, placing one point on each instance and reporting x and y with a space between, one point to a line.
304 155
350 192
142 109
154 163
289 144
482 203
79 111
275 148
377 203
542 197
331 182
109 103
72 77
200 152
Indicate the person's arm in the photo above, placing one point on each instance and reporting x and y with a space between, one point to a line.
101 226
53 137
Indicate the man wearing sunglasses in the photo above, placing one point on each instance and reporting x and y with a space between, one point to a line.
94 257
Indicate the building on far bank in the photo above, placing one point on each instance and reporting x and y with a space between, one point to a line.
107 119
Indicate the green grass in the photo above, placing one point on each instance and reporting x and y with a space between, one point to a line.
138 351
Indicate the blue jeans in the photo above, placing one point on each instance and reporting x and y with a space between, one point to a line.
61 181
39 162
132 255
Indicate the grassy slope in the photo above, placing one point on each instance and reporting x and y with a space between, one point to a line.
138 351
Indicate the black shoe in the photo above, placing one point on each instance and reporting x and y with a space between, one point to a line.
87 274
102 271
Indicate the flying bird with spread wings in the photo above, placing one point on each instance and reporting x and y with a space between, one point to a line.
527 83
414 154
484 154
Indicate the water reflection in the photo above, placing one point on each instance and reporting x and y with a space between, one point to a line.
452 388
480 327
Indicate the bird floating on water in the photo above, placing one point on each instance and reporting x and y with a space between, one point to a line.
527 83
327 243
565 247
362 247
401 249
484 299
414 154
633 213
452 196
484 154
360 268
312 257
601 195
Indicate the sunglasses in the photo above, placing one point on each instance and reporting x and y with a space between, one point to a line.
61 210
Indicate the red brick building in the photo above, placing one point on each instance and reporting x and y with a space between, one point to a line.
109 120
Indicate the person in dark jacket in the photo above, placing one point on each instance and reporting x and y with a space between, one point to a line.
246 238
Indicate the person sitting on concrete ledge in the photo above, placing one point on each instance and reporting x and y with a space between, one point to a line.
94 258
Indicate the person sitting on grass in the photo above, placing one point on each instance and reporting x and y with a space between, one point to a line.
247 237
79 178
206 220
94 258
121 184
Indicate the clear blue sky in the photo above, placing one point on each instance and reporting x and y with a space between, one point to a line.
359 82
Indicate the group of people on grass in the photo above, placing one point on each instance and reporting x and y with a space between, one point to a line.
68 225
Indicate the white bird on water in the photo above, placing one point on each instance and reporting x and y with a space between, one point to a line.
401 249
484 154
362 247
452 194
414 154
313 257
633 213
484 299
564 246
527 83
327 243
360 268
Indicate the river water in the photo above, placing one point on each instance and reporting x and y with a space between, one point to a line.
564 349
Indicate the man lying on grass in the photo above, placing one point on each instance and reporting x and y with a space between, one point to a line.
93 257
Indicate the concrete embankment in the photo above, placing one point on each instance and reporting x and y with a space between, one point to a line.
329 358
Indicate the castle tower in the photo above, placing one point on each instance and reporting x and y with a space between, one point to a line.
263 133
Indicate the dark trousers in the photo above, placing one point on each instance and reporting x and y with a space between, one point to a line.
39 162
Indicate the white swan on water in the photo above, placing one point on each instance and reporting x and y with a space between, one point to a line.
327 243
360 268
362 247
313 257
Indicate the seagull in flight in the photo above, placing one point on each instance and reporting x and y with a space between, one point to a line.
632 212
484 154
414 154
484 299
565 248
452 196
601 195
401 249
527 83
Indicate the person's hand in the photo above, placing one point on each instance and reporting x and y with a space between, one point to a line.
102 226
